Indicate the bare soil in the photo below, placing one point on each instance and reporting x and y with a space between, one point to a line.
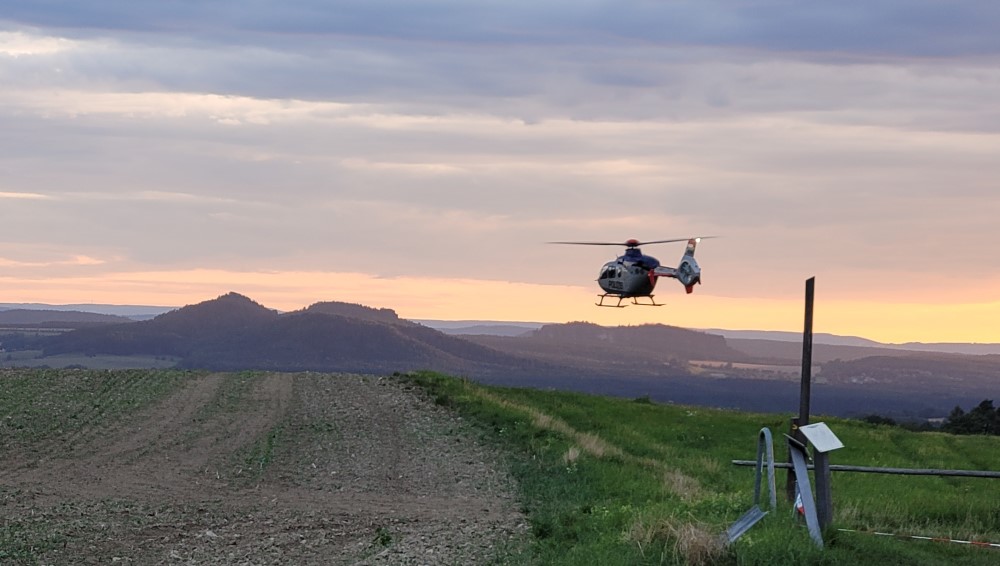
265 469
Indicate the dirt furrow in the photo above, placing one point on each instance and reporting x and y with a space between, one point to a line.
272 469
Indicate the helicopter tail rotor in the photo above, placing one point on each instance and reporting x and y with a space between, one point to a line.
687 272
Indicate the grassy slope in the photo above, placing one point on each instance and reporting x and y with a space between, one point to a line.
611 481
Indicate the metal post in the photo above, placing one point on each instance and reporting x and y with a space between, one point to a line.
793 431
765 445
797 451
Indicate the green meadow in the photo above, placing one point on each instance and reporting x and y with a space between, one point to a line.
615 481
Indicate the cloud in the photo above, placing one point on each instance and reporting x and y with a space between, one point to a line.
855 141
897 27
73 261
19 44
384 186
23 196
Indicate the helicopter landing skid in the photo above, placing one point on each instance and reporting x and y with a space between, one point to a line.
635 301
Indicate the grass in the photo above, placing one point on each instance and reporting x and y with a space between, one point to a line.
34 359
232 396
612 481
257 457
39 405
21 541
52 535
235 396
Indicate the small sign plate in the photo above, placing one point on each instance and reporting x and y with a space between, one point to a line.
821 437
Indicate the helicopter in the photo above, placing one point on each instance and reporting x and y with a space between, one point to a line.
634 275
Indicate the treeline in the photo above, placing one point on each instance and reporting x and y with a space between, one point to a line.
914 425
984 419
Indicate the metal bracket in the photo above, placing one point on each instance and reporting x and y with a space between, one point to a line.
743 524
755 514
764 441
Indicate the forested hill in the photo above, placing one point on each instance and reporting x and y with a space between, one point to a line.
233 332
646 350
680 343
920 372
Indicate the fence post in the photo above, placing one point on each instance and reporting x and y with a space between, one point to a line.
823 440
805 385
807 347
824 496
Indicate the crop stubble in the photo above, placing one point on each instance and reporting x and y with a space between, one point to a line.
263 468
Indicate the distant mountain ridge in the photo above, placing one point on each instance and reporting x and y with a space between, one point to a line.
784 336
233 332
504 328
481 327
487 330
135 312
678 342
352 310
650 350
31 317
975 349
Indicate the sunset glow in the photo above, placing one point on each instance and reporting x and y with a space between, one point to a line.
468 299
175 153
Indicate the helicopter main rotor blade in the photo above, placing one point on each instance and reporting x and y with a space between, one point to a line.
631 243
590 243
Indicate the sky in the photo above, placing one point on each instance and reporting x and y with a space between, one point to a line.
418 155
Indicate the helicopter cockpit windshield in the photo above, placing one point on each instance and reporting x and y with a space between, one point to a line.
643 261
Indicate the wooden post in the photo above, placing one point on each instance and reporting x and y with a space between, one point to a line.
805 387
807 349
824 496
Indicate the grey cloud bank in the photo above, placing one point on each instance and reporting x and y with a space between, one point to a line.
900 27
451 138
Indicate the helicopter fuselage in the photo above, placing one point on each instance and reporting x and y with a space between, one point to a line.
629 275
633 275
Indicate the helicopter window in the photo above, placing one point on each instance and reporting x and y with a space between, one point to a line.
618 271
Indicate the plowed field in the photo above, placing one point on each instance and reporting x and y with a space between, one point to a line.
262 468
